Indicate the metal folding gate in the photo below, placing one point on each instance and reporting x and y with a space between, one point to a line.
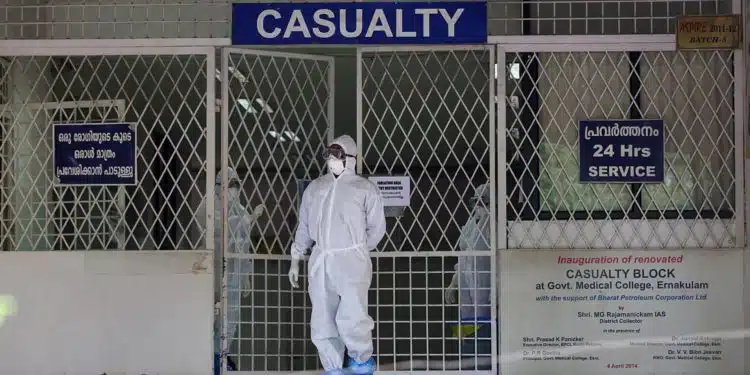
429 113
277 115
162 91
550 86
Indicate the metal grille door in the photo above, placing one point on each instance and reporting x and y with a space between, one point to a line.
428 114
163 92
277 114
547 93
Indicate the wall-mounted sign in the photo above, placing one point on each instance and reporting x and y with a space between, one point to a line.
630 151
94 154
635 312
359 23
396 190
709 32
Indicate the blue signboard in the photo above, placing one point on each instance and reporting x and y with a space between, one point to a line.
461 22
621 151
94 154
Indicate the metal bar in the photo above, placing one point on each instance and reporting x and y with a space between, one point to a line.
501 147
51 106
287 55
418 48
360 140
75 44
112 50
495 198
740 109
224 205
210 149
332 100
741 101
745 108
385 255
379 372
584 43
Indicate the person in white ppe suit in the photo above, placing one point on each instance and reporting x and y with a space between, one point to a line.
239 222
342 215
472 280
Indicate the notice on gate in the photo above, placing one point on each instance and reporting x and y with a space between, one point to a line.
94 154
644 312
396 190
457 22
627 151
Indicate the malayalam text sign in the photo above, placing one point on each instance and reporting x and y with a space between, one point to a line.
462 22
648 311
627 151
94 154
709 32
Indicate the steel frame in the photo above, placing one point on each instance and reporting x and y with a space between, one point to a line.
224 163
494 193
644 43
140 47
499 44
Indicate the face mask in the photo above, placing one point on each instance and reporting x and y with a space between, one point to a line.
335 166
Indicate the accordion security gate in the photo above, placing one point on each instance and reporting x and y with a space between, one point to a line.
277 115
162 91
700 97
429 113
276 141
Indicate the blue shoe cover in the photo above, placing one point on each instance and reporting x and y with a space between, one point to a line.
366 368
338 371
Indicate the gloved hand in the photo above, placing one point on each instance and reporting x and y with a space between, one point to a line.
451 293
258 210
294 272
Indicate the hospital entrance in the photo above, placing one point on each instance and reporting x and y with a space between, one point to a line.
476 148
431 114
426 119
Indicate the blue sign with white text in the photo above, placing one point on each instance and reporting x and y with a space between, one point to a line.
629 151
461 22
94 154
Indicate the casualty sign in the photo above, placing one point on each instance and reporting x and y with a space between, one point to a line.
461 22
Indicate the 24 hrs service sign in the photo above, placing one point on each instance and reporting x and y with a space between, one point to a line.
599 312
627 151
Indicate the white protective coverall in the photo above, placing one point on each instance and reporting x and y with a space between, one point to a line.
240 223
344 218
472 273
